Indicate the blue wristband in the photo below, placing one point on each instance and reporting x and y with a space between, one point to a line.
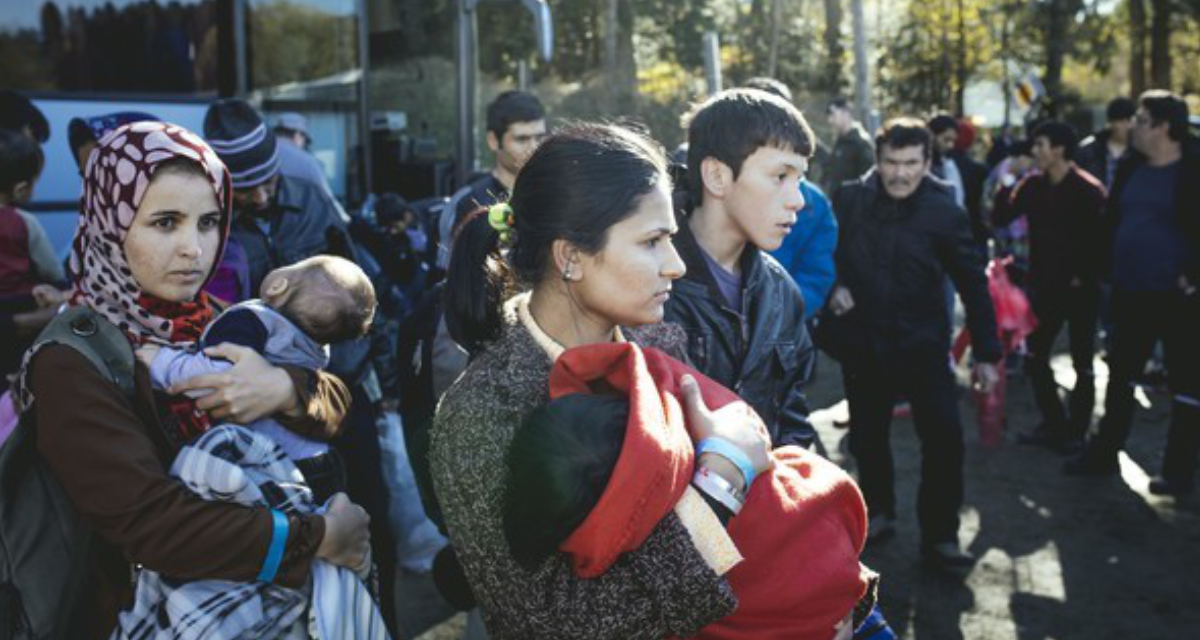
279 536
730 452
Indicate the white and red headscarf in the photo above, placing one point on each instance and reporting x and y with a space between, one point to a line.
115 180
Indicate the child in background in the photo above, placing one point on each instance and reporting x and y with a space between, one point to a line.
594 470
26 256
304 307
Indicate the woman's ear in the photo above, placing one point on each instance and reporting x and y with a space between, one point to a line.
566 260
716 175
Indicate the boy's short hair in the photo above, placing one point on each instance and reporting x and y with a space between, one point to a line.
21 160
511 107
899 133
733 124
332 300
1164 106
942 122
1121 108
1059 134
839 104
559 463
770 85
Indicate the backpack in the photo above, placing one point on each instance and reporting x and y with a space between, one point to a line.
44 544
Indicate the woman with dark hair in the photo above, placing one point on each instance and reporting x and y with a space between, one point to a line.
154 221
587 234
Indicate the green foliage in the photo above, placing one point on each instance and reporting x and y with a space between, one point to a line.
292 42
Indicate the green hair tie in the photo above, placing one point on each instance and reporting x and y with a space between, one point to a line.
500 217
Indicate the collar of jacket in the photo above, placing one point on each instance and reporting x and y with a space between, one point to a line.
698 272
930 185
289 196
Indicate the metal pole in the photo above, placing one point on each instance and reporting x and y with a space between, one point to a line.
466 54
241 77
367 181
712 61
862 79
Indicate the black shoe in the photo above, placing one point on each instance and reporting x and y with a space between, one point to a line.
947 556
1052 439
1091 464
1161 486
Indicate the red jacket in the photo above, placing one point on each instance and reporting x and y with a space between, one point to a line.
801 530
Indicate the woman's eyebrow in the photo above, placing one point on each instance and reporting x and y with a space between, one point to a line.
164 213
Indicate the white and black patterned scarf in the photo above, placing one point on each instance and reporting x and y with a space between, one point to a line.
233 464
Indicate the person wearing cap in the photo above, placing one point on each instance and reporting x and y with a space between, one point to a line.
1099 153
291 134
853 153
279 219
84 133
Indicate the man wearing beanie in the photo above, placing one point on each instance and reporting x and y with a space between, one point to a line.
278 219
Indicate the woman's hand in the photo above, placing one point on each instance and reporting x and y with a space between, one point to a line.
347 540
251 390
735 422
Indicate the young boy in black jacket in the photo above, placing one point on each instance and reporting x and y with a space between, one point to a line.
744 315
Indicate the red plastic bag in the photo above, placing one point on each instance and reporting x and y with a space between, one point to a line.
1014 321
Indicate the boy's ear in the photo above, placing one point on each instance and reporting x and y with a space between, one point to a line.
717 177
493 142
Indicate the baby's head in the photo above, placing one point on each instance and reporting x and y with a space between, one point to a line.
559 463
329 298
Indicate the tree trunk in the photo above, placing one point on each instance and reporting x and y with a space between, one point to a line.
1137 46
960 84
626 65
776 25
1160 44
1056 47
834 53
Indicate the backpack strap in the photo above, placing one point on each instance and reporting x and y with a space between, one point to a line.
97 339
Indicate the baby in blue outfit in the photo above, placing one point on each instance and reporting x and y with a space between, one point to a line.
304 307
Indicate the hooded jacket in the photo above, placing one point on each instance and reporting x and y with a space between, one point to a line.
762 351
894 256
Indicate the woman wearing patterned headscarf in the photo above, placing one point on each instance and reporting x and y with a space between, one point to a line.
155 217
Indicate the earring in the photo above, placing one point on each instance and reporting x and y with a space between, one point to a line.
567 274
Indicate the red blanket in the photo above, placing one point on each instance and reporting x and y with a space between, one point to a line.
800 532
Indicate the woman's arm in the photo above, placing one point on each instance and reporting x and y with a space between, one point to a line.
310 403
99 449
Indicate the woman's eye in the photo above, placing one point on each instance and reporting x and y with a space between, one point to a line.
209 222
164 223
653 242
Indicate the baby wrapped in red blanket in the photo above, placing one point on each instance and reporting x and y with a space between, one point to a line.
594 470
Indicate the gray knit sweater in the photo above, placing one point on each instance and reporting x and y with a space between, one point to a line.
665 588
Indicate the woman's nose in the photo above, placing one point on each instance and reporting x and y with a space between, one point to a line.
673 267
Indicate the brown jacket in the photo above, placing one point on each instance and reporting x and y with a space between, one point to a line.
112 460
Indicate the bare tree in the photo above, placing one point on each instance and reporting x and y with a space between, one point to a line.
1160 44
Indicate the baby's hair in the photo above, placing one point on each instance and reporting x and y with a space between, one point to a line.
559 463
330 299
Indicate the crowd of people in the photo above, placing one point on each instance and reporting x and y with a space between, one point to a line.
573 391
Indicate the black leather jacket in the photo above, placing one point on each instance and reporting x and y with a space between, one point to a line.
761 351
894 257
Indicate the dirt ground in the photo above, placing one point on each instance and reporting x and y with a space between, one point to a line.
1060 558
